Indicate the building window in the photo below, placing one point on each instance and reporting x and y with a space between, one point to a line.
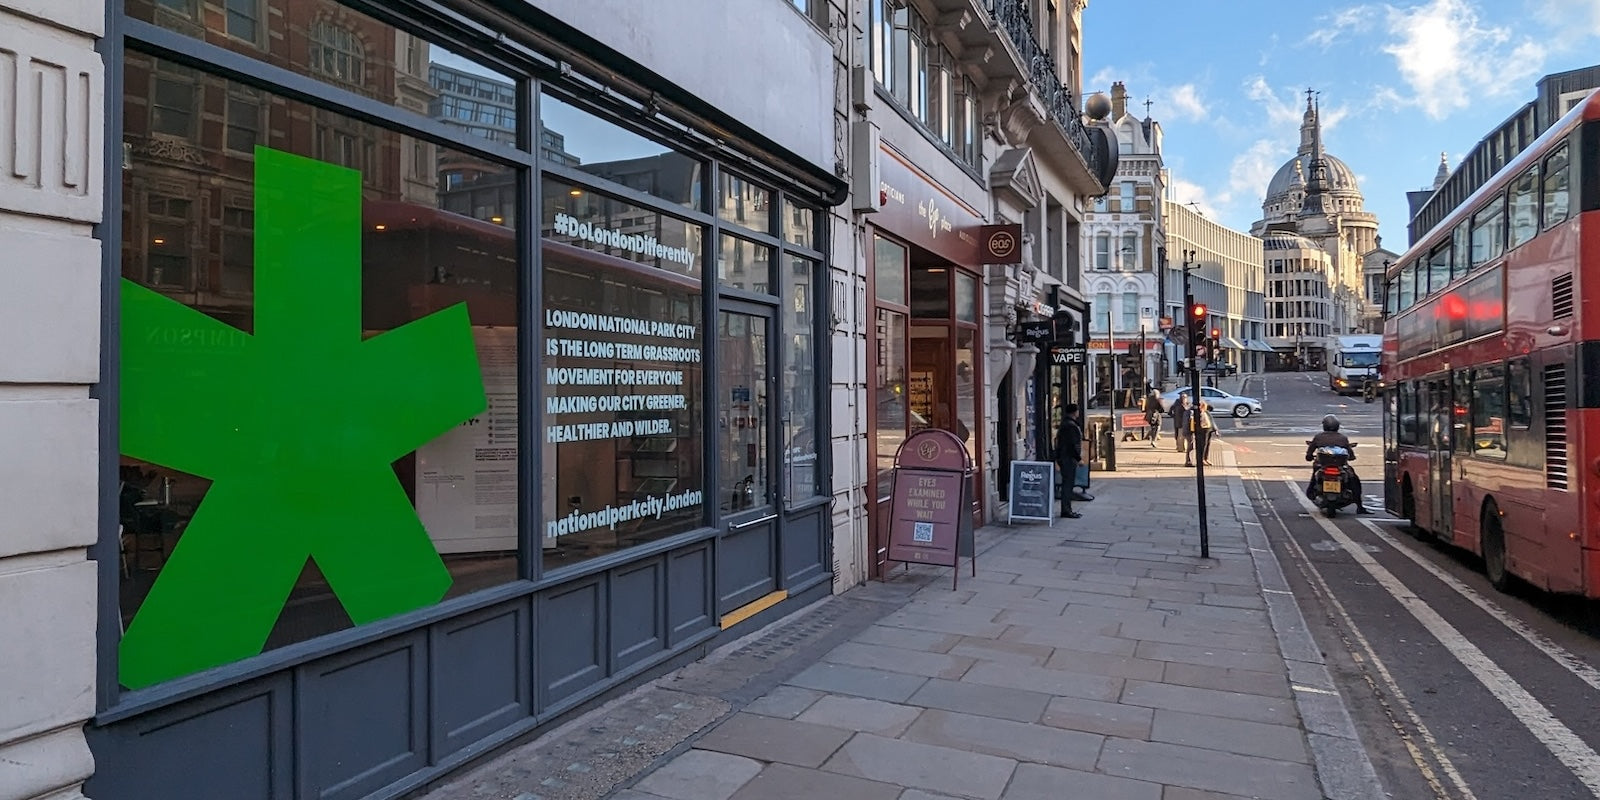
167 255
1102 251
173 92
337 53
243 19
1102 311
1126 199
1130 311
1129 251
243 121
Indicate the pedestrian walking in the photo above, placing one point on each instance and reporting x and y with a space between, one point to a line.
1202 429
1152 417
1069 454
1180 422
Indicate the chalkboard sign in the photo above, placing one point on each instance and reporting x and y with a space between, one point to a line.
1033 487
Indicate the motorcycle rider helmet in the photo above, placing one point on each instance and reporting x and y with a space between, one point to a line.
1330 423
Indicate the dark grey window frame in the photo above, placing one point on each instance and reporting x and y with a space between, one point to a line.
531 70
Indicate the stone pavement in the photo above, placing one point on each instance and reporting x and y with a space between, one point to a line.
1096 659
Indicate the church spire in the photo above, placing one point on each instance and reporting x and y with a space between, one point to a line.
1310 126
1318 185
1444 172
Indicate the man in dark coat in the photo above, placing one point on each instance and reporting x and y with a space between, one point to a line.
1180 421
1069 454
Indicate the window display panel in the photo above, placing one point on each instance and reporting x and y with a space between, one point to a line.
594 221
742 374
890 389
802 479
622 431
319 385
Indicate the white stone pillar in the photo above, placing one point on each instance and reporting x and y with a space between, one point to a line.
52 129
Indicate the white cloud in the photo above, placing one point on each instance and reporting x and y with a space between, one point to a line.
1450 58
1571 21
1356 19
1280 113
1182 102
1101 81
1188 193
1252 170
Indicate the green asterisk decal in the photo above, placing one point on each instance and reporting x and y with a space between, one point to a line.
296 425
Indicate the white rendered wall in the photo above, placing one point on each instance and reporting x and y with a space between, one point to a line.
51 138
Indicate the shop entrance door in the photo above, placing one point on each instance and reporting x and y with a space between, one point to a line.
747 556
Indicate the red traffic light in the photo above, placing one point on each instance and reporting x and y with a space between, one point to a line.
1198 311
1216 333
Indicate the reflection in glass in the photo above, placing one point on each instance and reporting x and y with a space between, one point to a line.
889 270
742 372
594 221
800 226
966 297
889 386
802 479
743 203
609 151
966 419
191 233
930 292
1488 412
622 428
743 264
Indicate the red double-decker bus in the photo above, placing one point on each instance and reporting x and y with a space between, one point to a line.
1491 368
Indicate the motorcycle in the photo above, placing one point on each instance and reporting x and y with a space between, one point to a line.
1331 488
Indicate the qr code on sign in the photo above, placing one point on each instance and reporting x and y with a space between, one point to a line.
922 532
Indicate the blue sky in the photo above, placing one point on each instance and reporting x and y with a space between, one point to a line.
1400 82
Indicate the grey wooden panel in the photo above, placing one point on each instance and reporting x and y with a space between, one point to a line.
802 549
361 719
689 603
746 566
570 640
234 743
637 613
479 667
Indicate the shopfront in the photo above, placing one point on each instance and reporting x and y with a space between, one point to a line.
926 283
436 418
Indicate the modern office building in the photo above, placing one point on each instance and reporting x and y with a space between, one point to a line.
1226 276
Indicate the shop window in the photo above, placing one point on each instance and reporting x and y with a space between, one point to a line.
243 19
609 151
966 372
743 264
337 53
802 477
1556 192
743 373
622 427
743 203
1488 232
1524 222
330 441
800 226
594 221
890 390
889 270
966 298
930 293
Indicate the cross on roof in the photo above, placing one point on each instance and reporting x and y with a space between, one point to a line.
1147 102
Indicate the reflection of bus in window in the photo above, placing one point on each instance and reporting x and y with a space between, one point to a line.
1486 350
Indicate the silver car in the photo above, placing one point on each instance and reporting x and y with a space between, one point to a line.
1221 402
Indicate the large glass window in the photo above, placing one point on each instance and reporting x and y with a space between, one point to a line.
1102 251
743 264
743 203
322 434
1438 267
889 388
1408 285
1556 192
743 372
930 292
595 221
609 151
1130 311
889 270
1489 412
1129 251
802 478
1460 250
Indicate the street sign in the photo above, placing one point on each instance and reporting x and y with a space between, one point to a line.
1032 490
1035 332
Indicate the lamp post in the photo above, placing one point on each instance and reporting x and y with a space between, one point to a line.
1196 327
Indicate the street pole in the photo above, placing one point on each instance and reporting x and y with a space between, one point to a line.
1195 327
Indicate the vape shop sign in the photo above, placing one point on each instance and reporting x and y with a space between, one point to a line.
931 513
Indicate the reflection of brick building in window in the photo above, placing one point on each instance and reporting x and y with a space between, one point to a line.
189 138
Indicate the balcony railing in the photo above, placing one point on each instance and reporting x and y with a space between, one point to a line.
1012 17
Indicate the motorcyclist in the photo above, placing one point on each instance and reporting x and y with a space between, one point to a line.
1331 437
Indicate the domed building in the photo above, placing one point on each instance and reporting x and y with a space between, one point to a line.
1313 200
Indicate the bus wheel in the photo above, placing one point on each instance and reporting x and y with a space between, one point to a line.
1492 540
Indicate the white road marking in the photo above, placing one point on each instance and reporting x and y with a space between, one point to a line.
1577 666
1562 743
1392 687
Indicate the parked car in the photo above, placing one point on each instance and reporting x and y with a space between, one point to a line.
1221 369
1221 402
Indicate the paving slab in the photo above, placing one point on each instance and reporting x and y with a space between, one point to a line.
787 782
926 641
1213 702
1003 651
1267 684
1021 741
770 739
785 702
845 679
861 714
1038 782
1094 716
1213 770
1052 682
899 659
700 775
923 766
1281 742
976 698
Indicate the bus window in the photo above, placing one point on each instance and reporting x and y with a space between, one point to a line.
1460 251
1519 394
1489 232
1555 188
1489 412
1390 298
1524 207
1408 414
1460 419
1408 285
1439 267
